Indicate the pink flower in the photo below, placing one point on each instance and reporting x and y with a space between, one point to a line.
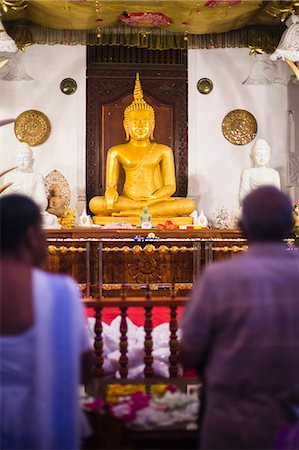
145 19
94 405
172 388
128 406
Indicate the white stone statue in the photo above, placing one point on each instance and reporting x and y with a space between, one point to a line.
258 175
27 182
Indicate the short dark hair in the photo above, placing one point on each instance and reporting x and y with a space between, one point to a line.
267 215
17 214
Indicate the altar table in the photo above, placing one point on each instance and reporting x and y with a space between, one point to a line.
105 261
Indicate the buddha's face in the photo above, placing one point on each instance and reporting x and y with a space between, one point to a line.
24 161
55 190
139 125
260 157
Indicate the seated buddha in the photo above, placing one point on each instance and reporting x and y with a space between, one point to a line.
25 181
257 175
148 168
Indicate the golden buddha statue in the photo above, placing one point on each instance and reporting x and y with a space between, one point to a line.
149 172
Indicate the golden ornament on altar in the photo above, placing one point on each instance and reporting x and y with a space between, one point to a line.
149 248
33 127
163 249
239 127
137 249
52 249
68 219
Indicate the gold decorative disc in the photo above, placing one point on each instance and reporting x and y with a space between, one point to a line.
33 127
239 127
204 86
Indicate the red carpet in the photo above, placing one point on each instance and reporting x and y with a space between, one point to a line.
160 314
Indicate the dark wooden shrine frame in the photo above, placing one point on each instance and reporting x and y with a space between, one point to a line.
110 77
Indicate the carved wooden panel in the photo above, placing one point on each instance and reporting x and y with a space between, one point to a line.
109 90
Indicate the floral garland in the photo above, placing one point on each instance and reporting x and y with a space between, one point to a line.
164 406
145 19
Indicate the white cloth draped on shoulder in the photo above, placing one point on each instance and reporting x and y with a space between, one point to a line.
58 338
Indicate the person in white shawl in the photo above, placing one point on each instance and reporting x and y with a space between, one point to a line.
45 351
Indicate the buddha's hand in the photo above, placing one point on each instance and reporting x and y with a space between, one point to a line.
145 199
111 196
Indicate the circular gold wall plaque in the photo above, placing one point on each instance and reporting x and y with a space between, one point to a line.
68 86
33 127
239 127
204 85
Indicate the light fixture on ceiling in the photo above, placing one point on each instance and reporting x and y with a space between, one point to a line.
266 72
11 66
269 70
288 47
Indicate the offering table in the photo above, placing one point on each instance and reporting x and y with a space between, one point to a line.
105 261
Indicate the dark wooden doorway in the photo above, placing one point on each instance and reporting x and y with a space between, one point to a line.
111 73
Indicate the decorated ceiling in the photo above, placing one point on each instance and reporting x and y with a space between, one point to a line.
195 17
156 23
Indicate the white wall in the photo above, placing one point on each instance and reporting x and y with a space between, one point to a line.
214 163
65 148
293 107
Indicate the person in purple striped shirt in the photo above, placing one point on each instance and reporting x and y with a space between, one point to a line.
240 330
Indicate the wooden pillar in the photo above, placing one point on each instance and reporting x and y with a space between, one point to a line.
173 340
123 340
148 339
98 343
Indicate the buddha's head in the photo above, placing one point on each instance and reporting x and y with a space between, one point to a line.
24 157
54 190
260 153
139 116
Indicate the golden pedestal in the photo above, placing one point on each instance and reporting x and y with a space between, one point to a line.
104 220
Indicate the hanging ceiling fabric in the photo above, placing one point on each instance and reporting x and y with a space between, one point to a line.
150 24
256 37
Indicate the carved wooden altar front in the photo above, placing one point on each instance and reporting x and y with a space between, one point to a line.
106 261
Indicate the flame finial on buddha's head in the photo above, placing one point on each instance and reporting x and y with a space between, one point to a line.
138 93
138 105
